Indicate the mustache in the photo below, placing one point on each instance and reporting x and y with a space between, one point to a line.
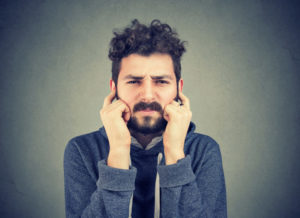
144 106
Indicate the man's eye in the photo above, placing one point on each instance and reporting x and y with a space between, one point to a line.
162 82
133 82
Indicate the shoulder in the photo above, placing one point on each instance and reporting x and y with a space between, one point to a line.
195 138
202 148
87 138
200 141
88 144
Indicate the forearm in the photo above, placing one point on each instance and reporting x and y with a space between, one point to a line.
109 196
114 190
119 158
184 194
172 156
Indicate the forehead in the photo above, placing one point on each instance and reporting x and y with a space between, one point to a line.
153 65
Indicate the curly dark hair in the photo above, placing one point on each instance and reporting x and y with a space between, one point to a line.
143 40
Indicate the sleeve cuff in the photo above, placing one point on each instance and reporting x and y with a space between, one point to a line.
114 179
177 174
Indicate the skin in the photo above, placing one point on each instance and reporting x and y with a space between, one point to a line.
145 79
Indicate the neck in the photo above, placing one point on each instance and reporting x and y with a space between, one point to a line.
144 139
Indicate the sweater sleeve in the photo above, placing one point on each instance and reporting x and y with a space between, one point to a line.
107 196
198 193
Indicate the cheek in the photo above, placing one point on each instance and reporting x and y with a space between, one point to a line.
168 96
127 96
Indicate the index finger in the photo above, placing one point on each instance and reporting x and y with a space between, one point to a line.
108 100
184 100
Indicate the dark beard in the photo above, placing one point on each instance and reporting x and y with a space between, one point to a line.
146 128
159 125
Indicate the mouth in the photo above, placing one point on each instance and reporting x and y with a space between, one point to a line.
147 112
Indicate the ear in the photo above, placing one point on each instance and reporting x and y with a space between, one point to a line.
112 85
180 85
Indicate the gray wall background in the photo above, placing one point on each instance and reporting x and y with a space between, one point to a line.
241 73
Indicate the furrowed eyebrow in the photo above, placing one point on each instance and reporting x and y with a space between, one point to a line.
153 77
133 77
162 77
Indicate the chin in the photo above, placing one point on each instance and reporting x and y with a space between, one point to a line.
147 125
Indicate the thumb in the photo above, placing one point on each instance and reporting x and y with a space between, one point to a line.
166 115
126 114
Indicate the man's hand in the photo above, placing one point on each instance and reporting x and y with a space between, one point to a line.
114 116
178 117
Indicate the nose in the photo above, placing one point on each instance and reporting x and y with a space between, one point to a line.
147 91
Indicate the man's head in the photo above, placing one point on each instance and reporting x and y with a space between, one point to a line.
146 72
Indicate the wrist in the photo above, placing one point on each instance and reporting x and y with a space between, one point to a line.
119 158
172 156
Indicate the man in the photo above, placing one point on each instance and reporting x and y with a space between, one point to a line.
146 161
